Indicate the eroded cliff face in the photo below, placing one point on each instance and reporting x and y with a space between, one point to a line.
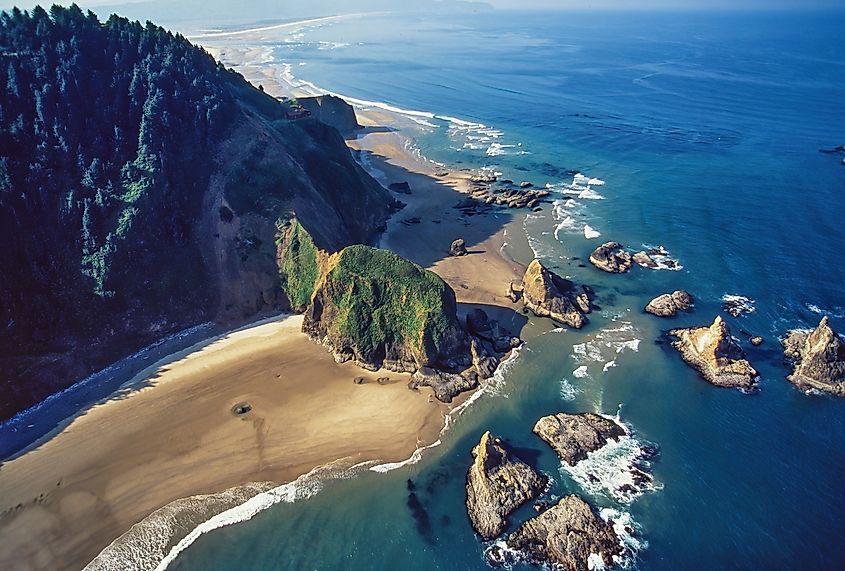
818 357
332 111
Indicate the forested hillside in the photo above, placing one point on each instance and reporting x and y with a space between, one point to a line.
141 184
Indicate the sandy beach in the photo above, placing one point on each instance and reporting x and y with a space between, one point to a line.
173 433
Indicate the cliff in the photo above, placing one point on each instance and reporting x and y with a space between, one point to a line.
132 212
332 111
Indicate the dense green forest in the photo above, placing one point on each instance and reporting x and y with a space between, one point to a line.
119 145
64 75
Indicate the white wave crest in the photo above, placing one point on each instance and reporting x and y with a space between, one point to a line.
590 233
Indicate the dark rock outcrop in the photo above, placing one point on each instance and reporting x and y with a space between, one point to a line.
332 111
669 304
612 258
446 385
645 260
819 358
549 295
715 355
458 248
574 436
400 187
497 484
566 536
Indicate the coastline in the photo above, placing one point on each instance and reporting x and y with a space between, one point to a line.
170 434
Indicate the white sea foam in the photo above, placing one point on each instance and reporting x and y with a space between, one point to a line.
590 194
605 347
151 544
581 372
590 232
415 457
837 312
663 258
628 532
738 305
568 391
621 469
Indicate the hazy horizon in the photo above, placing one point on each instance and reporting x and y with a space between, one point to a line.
337 6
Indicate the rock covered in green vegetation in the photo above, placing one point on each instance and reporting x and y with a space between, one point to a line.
379 309
298 263
135 211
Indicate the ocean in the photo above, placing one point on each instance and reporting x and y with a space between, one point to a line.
697 132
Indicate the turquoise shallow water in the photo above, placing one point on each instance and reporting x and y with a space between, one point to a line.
705 130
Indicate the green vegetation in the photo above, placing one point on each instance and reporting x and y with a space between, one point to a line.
382 300
256 183
298 267
106 127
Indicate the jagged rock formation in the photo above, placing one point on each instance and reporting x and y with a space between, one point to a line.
458 248
400 187
497 484
549 295
819 358
715 355
332 111
566 536
611 257
381 310
645 260
669 304
446 385
156 213
574 436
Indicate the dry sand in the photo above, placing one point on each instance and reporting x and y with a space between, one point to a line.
175 435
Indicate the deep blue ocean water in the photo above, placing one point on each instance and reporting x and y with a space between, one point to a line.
705 130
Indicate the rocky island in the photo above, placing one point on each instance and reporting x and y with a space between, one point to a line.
497 484
574 436
669 304
715 355
569 535
611 257
818 357
547 294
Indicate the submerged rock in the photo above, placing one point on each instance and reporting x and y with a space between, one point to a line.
497 484
573 436
715 355
669 304
549 295
458 248
569 535
611 257
819 358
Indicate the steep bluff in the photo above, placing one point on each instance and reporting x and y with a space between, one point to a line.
132 212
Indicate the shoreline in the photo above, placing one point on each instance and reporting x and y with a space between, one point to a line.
168 435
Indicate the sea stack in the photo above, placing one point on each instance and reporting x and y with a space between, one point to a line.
612 258
569 535
549 295
497 484
715 355
669 304
819 358
573 436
